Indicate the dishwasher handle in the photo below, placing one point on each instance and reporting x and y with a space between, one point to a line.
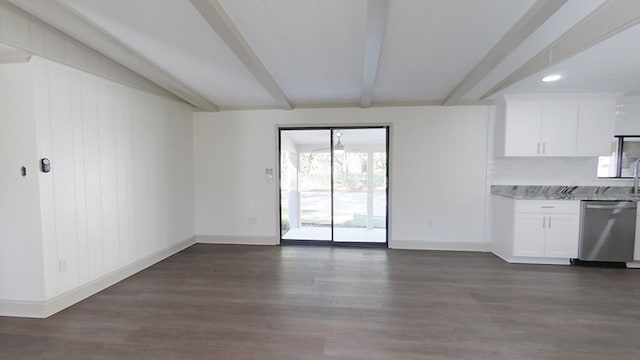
611 207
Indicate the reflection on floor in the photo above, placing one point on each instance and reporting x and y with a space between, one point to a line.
339 234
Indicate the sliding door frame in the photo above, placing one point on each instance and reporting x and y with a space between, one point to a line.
332 242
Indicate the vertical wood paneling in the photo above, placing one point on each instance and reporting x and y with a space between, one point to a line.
132 242
118 160
108 182
125 247
63 172
47 204
21 257
76 86
92 172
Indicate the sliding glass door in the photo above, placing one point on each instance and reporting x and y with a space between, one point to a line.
333 185
305 185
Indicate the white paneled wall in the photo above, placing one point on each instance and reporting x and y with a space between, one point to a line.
438 172
121 182
21 263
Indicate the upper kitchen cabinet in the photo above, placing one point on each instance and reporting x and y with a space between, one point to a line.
596 119
541 128
522 128
560 126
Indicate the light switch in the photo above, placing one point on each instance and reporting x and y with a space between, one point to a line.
268 175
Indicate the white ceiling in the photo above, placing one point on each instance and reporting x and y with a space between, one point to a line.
314 50
429 46
612 66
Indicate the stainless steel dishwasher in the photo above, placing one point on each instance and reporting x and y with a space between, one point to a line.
607 231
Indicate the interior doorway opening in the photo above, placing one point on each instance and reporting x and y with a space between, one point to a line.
334 185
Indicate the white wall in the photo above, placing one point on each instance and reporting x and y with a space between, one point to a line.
20 230
121 182
438 172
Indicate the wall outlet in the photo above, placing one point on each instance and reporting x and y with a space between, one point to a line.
253 220
430 224
62 266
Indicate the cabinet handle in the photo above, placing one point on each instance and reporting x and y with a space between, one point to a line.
544 221
544 146
548 207
549 222
538 151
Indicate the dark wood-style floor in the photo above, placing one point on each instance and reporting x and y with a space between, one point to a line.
296 302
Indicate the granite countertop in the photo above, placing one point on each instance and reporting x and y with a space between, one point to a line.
536 192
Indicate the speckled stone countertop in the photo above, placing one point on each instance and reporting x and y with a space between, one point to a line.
536 192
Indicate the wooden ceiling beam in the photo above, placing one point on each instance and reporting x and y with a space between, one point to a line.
537 14
374 33
214 14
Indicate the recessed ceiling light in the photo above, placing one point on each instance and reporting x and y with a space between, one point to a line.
552 78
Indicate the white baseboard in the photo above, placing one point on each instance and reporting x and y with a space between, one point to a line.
237 240
437 245
44 309
633 264
533 260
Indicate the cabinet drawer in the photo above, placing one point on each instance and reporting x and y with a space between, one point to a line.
548 206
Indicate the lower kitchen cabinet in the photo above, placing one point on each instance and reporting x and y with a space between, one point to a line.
546 235
534 231
529 235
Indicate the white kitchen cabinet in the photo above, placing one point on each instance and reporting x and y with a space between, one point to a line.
560 126
535 231
596 119
522 128
546 235
562 235
529 235
546 228
541 128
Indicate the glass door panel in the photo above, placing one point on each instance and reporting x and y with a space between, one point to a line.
305 185
359 185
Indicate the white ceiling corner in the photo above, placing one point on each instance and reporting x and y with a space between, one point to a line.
608 20
9 54
537 14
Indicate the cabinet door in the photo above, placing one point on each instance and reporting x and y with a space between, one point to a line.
559 127
596 119
561 238
529 235
522 128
